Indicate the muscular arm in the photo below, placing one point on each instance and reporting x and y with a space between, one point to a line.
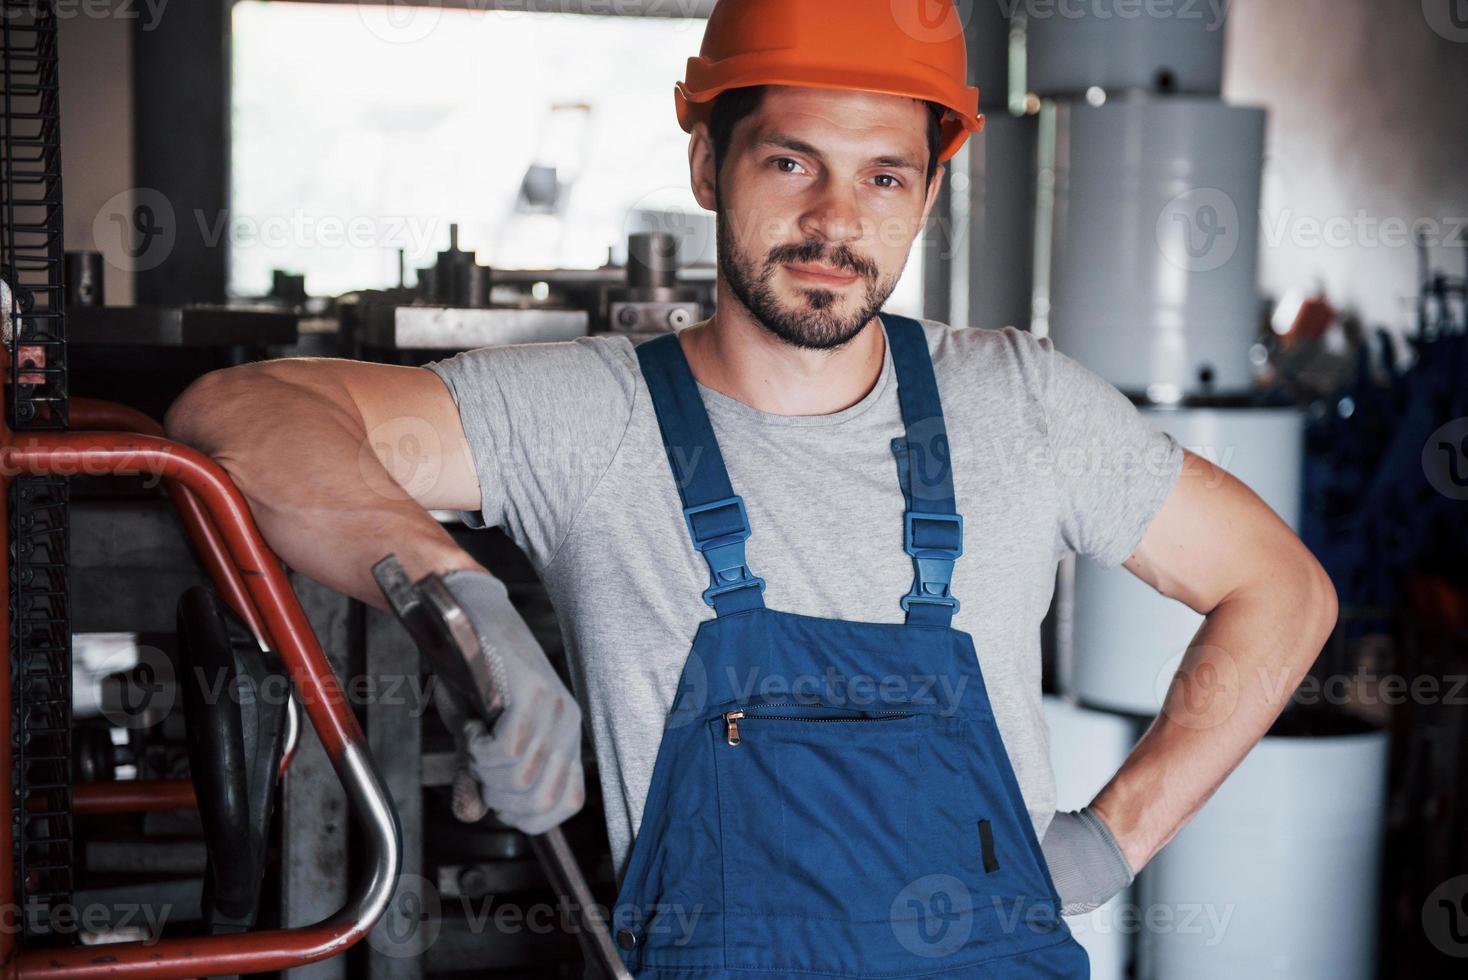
338 460
1269 607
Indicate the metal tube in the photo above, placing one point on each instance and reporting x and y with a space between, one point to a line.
73 453
132 796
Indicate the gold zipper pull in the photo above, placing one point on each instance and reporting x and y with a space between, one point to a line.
731 726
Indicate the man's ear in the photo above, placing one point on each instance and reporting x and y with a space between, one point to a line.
701 171
934 186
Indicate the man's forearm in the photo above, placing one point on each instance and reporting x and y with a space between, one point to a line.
322 498
1244 663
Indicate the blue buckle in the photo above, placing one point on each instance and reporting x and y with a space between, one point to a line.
723 552
934 565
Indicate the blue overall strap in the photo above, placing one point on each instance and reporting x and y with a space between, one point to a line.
932 528
715 516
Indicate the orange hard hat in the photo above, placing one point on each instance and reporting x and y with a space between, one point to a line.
898 47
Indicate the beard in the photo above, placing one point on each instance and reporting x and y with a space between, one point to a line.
812 321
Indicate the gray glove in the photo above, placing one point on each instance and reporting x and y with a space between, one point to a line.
468 802
529 771
1085 861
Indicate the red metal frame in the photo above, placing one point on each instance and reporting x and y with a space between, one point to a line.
132 796
125 796
253 580
94 414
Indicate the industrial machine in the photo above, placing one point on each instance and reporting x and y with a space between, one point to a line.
217 766
249 624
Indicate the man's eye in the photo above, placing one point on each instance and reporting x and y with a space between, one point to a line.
895 181
784 160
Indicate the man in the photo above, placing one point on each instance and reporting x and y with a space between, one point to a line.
821 177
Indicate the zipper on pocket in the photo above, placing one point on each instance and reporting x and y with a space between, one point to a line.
986 846
732 719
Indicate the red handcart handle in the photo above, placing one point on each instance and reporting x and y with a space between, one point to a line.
243 556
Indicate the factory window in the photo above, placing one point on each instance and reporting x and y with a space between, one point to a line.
361 129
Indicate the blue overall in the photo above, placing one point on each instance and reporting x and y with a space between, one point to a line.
856 815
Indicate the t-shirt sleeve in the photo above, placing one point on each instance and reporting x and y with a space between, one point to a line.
544 422
1112 469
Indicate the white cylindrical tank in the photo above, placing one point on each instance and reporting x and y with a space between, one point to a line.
1127 640
1153 238
1086 749
1123 44
1276 877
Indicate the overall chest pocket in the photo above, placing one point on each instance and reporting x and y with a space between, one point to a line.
815 805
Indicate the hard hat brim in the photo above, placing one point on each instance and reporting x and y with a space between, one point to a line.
961 120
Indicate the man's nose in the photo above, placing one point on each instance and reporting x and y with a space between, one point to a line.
835 215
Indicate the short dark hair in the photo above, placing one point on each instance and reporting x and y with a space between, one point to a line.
735 104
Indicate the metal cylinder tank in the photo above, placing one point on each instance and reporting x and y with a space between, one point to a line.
1276 877
1127 639
1152 229
1123 44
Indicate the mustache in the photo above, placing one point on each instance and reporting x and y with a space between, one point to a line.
842 257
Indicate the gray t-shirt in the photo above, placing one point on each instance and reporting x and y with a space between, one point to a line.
1048 459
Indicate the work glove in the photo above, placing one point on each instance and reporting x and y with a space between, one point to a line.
528 771
1085 861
